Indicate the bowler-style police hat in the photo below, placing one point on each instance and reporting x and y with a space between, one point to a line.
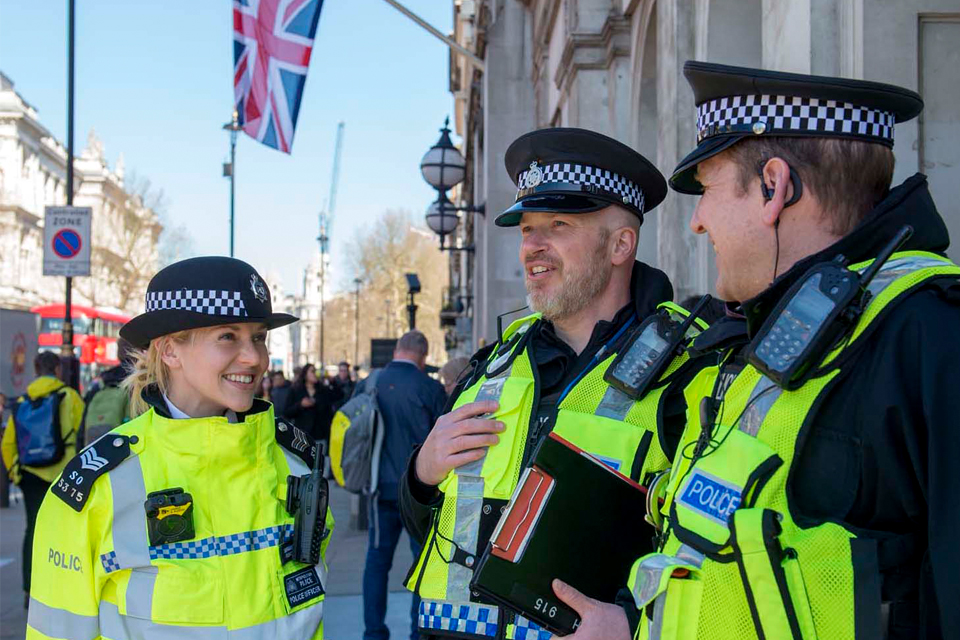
578 171
203 292
734 103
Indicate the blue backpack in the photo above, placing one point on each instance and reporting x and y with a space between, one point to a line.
37 421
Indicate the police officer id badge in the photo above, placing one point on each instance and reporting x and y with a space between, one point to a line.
73 485
302 586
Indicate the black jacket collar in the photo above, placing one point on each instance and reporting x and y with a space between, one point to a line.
910 203
152 396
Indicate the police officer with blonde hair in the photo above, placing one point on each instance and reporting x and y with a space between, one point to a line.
204 516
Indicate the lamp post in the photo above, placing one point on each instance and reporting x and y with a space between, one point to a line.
229 169
443 167
356 324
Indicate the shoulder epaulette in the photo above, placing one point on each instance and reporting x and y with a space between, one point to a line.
74 484
296 441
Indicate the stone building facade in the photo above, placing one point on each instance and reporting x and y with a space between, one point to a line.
33 169
616 66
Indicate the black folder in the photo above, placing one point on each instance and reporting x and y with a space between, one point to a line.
571 517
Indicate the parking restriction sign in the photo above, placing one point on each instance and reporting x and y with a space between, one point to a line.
66 241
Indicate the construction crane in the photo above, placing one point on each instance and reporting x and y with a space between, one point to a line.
326 224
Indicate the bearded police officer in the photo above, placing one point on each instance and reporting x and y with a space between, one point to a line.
815 492
580 202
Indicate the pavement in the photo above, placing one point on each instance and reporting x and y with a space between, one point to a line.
343 609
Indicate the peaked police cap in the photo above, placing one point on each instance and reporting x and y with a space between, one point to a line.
568 170
734 103
203 292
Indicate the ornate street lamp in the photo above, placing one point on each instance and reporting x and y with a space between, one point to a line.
443 167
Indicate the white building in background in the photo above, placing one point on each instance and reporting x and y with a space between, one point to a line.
33 169
616 66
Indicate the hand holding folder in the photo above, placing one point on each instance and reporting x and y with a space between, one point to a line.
571 517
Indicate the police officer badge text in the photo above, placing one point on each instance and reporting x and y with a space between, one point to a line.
302 586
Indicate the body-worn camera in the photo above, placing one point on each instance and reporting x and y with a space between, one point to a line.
169 516
307 499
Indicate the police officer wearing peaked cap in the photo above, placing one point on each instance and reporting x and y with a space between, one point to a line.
581 198
837 459
174 524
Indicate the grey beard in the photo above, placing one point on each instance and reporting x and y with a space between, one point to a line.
576 293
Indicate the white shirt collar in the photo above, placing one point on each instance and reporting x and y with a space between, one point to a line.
177 414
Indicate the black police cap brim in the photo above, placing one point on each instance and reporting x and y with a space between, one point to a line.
147 326
553 203
711 81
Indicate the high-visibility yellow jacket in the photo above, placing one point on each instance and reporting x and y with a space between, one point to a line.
735 563
71 413
95 574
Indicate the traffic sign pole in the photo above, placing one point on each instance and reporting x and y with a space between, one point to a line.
68 370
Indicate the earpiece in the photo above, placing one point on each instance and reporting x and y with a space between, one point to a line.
768 193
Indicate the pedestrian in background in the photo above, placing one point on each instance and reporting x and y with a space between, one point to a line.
451 372
107 405
279 391
266 386
409 402
310 404
343 384
35 480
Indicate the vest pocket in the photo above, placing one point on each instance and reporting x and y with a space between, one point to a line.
722 481
771 576
175 595
666 590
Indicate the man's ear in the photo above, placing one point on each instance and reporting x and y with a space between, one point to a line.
624 245
775 188
169 354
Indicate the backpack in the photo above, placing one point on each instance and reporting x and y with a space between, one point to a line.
37 424
106 410
356 439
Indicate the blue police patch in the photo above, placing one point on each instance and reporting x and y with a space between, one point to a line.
613 463
710 496
302 586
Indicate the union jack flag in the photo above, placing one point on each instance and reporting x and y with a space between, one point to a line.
272 41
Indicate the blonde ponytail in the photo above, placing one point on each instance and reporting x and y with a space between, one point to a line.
148 368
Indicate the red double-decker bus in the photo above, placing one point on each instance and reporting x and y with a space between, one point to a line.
95 334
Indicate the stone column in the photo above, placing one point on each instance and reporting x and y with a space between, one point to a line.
508 112
681 253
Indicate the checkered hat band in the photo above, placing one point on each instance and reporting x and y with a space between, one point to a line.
209 301
210 547
579 174
781 114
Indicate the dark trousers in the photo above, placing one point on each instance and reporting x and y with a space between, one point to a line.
34 488
385 530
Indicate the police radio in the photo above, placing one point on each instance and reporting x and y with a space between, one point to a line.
813 316
649 351
307 499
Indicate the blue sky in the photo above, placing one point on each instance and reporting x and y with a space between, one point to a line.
155 81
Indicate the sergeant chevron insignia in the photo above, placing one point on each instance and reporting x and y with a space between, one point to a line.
74 484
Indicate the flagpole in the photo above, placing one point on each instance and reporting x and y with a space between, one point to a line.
450 42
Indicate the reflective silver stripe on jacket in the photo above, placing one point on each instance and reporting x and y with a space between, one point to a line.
301 625
130 545
469 503
648 578
60 623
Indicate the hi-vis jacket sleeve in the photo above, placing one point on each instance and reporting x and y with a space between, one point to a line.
68 578
9 446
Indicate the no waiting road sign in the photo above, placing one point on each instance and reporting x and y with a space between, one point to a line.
66 241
